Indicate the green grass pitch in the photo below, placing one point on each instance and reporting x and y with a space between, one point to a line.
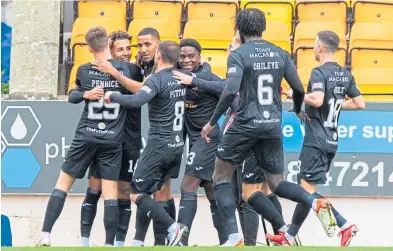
257 248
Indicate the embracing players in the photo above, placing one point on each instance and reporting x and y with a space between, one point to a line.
98 138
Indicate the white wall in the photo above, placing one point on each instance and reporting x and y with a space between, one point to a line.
373 216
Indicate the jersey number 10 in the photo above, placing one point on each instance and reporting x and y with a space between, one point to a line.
265 93
334 111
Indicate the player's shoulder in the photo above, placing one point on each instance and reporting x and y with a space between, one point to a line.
134 68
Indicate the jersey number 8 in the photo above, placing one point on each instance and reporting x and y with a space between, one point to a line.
265 93
111 114
179 112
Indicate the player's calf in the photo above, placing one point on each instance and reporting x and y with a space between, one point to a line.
124 202
188 202
111 210
55 206
88 214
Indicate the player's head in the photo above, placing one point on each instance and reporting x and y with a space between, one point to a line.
168 52
190 54
97 39
250 23
148 40
236 43
326 43
120 45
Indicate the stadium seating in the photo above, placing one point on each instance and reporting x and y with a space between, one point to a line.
217 60
80 53
275 10
71 83
305 35
278 34
210 34
158 10
166 28
371 11
304 75
103 9
371 45
322 11
372 81
211 10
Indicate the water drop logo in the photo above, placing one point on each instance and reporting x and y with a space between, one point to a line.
18 128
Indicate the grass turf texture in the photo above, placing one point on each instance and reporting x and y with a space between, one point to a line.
257 248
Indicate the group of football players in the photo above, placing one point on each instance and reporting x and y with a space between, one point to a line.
240 164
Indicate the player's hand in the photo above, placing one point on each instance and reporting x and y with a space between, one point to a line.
103 66
107 97
205 131
303 117
182 78
94 94
288 93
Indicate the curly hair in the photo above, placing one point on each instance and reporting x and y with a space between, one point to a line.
251 22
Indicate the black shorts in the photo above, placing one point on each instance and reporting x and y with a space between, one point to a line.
82 153
128 163
252 173
201 160
314 164
153 170
235 147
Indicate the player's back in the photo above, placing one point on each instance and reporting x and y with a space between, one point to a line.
101 122
166 112
260 108
336 82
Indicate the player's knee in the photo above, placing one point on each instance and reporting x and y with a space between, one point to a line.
189 184
188 196
249 189
223 172
92 196
265 189
209 191
123 190
95 183
109 189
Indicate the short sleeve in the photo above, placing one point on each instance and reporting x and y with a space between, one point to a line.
317 81
152 83
353 90
235 66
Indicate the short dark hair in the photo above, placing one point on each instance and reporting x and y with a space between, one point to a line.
170 51
251 22
192 43
329 39
97 38
119 35
149 31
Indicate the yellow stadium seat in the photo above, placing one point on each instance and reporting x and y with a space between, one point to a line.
372 11
217 60
159 10
103 9
82 25
277 33
208 10
305 35
371 45
166 28
374 80
79 29
210 34
275 10
322 11
71 82
304 75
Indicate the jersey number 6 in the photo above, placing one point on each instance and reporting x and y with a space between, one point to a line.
265 93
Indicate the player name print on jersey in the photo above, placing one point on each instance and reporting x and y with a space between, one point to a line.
101 122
